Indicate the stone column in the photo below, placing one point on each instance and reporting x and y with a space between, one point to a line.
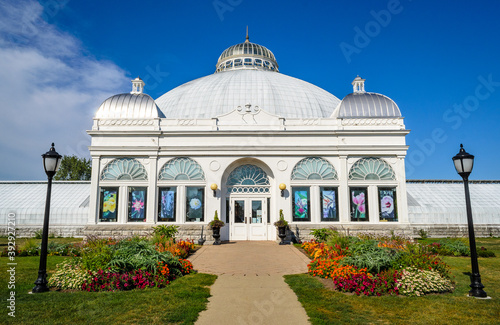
152 192
94 190
344 197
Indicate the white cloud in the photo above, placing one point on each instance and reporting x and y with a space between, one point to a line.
49 90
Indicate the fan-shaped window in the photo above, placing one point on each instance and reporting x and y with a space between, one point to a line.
181 169
124 169
371 169
248 179
314 168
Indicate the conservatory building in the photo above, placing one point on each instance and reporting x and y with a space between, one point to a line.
246 143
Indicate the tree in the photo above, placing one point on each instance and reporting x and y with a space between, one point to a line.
74 168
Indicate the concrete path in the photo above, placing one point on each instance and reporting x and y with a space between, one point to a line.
250 288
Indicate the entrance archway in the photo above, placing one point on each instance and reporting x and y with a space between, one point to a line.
248 191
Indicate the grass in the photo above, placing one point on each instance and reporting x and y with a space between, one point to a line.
324 306
178 303
20 241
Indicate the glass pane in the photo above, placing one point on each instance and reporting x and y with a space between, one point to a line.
247 175
257 211
239 211
167 203
329 210
268 210
314 168
388 206
195 204
109 204
137 204
371 169
181 169
124 169
359 204
301 204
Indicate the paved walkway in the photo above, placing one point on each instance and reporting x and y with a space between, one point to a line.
250 288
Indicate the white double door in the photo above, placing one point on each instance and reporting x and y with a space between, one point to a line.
248 218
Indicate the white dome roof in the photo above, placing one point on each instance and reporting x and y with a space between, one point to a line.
136 106
224 91
365 105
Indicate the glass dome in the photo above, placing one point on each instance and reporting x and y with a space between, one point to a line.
246 55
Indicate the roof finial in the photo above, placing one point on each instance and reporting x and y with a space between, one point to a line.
247 39
358 85
137 86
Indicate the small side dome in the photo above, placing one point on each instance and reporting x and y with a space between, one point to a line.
136 104
362 104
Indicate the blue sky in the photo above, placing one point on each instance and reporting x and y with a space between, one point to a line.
439 60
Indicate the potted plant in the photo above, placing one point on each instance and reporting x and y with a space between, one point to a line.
281 224
215 225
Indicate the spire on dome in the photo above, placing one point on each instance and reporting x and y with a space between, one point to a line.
247 40
358 85
137 86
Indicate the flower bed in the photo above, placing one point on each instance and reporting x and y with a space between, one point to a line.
374 265
130 263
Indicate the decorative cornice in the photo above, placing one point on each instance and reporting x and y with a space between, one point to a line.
371 121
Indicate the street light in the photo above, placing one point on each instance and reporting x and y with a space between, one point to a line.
463 164
51 162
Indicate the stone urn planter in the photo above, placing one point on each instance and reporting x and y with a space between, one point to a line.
215 225
282 234
216 235
282 225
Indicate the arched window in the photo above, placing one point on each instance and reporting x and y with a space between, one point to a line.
314 168
124 169
248 179
181 169
371 169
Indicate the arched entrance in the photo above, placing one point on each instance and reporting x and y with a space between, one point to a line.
248 192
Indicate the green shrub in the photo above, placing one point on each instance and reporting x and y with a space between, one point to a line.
416 282
134 255
54 248
321 235
167 231
367 254
29 248
69 275
419 256
456 247
341 240
38 234
96 254
483 252
450 247
423 234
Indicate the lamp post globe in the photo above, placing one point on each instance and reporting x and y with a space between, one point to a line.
51 162
464 162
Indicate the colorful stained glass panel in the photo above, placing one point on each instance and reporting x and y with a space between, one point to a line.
301 204
359 204
195 203
109 204
137 204
387 201
329 211
167 207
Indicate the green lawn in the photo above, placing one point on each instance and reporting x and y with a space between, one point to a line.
20 241
178 303
328 307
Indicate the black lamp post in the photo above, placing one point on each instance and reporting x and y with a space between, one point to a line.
463 164
51 162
